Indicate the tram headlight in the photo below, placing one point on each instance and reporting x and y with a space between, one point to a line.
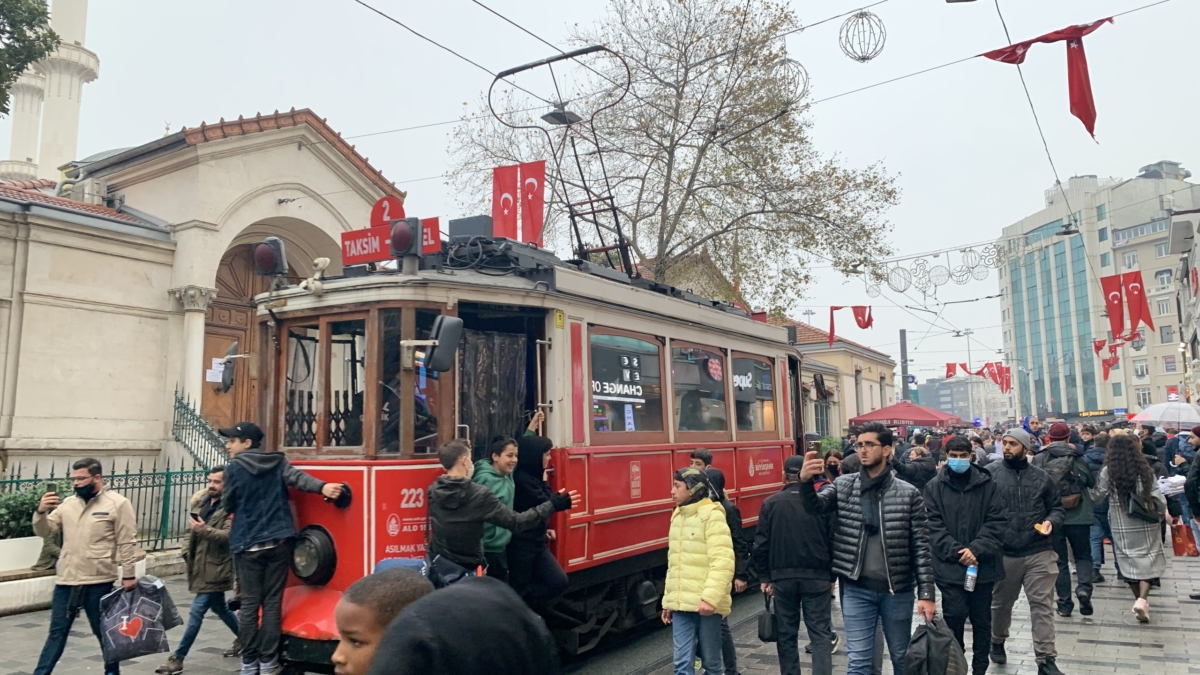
314 558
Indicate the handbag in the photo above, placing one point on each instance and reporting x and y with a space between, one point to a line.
1142 508
767 631
1183 541
933 650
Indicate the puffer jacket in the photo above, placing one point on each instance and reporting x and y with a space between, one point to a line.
495 539
206 553
699 559
1032 497
902 522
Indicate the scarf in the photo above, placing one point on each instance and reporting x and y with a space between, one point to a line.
870 488
697 483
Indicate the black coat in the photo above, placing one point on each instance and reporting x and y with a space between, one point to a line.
917 472
458 508
902 524
970 515
1031 497
793 541
530 490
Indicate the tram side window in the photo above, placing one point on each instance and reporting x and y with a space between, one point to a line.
698 376
347 381
626 384
427 389
754 394
300 410
389 394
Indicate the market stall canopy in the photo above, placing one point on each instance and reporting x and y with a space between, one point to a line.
1176 415
907 413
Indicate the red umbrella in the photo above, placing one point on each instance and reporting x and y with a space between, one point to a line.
907 413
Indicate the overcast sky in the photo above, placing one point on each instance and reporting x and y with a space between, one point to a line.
961 139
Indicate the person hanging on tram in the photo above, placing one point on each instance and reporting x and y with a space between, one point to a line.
495 473
533 572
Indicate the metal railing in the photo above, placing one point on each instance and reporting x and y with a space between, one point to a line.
196 435
159 497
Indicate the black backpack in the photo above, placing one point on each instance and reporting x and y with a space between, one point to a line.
1062 472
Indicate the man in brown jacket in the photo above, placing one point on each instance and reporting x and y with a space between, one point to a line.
99 533
209 567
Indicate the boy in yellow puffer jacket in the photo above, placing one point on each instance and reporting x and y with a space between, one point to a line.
700 564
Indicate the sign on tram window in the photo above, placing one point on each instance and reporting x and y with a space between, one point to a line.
698 377
753 394
626 384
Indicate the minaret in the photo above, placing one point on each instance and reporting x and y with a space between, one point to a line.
50 93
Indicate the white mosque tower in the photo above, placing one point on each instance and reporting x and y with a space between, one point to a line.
49 95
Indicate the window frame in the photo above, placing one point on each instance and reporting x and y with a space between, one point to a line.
632 437
1105 259
773 434
730 422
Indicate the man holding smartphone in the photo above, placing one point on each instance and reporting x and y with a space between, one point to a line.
99 533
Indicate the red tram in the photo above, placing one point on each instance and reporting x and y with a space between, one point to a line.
632 375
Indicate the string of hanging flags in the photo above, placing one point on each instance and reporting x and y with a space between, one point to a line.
995 371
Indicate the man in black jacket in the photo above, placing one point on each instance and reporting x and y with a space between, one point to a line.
880 548
793 556
1034 512
458 508
966 520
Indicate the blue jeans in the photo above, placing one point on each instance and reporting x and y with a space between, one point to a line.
1100 530
861 610
694 633
200 606
64 607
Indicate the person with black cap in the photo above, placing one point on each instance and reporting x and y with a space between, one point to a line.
476 626
793 555
256 494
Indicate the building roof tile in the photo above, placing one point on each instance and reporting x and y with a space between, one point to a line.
32 195
36 184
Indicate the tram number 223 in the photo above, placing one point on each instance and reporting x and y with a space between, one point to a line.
412 498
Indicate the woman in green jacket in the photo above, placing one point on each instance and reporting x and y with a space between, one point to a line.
495 473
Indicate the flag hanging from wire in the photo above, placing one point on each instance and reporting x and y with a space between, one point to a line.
1079 82
862 317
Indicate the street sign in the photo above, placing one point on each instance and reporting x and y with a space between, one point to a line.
1119 411
366 246
386 210
431 236
912 379
978 421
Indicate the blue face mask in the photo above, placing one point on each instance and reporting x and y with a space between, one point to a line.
958 465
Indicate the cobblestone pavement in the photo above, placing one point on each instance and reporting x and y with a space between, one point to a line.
1110 641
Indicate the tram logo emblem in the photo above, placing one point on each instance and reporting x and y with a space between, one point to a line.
763 466
635 480
393 525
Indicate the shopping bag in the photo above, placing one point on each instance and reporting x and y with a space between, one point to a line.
131 622
170 613
767 631
1183 541
933 650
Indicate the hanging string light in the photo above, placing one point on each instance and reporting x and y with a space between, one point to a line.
862 36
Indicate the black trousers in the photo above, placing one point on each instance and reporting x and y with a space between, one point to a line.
534 573
810 599
1080 539
497 565
957 606
262 575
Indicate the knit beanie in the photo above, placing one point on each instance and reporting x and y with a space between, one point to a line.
1059 432
1021 436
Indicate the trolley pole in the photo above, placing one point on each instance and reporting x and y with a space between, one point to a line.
970 383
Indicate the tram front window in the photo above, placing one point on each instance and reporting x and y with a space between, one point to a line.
422 385
300 410
389 394
347 372
426 389
626 384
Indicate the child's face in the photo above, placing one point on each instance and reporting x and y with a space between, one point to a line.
680 492
360 634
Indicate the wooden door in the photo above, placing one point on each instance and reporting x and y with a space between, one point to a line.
231 318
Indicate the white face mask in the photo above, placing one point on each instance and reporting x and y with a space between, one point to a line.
470 471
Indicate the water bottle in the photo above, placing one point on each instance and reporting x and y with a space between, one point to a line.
972 575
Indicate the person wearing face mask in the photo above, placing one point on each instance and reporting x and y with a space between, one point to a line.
1034 511
966 520
99 532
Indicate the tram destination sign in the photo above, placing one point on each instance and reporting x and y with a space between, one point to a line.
366 246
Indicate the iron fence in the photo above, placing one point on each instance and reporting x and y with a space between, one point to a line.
196 435
159 497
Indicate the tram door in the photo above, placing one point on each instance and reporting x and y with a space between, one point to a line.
498 372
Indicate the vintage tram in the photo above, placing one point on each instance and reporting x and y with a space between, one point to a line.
632 376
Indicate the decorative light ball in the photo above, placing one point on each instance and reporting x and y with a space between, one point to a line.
899 279
921 283
873 290
971 258
980 273
939 274
795 81
862 36
961 274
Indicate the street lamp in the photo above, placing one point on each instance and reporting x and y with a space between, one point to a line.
970 398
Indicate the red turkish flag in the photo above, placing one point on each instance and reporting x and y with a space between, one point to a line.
1097 345
1111 286
951 368
1195 282
862 316
1112 350
1079 84
504 202
1135 296
1108 365
992 370
533 201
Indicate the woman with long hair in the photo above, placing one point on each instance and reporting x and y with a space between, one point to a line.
1129 486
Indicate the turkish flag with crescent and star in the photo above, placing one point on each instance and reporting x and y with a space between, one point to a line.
504 202
1109 364
1111 285
1079 83
1097 345
533 201
862 317
950 370
1135 296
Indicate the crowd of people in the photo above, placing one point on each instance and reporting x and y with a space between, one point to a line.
884 525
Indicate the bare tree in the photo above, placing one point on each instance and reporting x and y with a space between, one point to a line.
709 153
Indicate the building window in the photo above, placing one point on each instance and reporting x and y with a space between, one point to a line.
1130 260
1105 259
1140 368
1163 277
754 394
698 377
1143 396
1169 364
626 384
1003 312
1162 250
1164 307
821 417
1101 214
1116 388
1167 334
1102 233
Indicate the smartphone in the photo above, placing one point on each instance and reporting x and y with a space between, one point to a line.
195 516
814 446
52 487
